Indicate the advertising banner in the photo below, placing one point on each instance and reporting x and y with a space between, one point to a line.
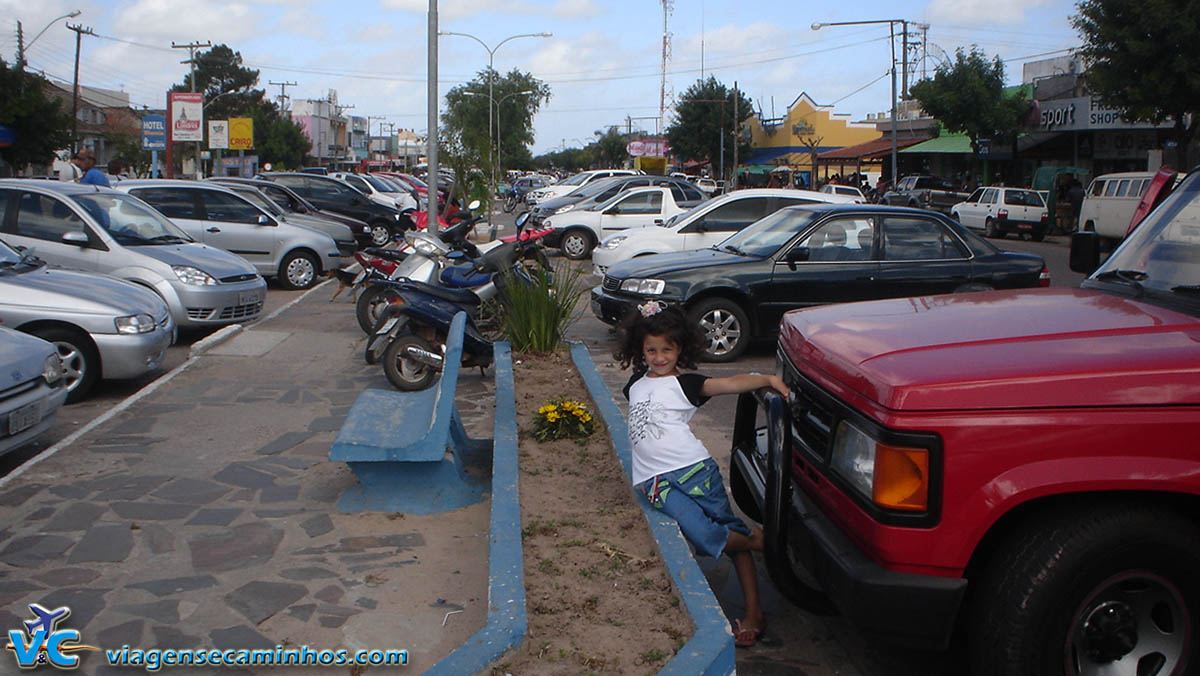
186 111
154 132
654 147
218 134
241 133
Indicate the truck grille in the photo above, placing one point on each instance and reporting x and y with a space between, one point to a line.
239 278
813 415
199 312
241 311
611 283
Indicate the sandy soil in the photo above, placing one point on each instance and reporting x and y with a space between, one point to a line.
599 598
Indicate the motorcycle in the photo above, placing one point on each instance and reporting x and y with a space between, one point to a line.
410 333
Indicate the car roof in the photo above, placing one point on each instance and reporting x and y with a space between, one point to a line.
169 183
64 187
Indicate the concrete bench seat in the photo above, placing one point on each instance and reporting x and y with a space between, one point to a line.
409 450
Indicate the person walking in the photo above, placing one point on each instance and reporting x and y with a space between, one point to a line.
87 163
74 169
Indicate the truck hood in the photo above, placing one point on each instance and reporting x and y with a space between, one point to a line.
1023 349
665 263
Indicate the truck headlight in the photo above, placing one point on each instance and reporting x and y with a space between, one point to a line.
189 275
140 323
565 209
649 287
893 477
52 369
613 242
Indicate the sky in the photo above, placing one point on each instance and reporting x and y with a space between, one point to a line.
602 61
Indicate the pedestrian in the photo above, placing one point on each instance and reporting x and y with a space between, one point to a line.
1075 195
74 169
91 175
114 171
671 467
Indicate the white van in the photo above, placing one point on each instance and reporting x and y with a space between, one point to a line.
1110 202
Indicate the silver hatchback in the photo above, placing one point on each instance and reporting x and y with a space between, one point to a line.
101 230
31 390
219 217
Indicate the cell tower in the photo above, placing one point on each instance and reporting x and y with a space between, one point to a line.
668 6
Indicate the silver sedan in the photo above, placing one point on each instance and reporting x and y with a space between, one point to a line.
33 393
102 327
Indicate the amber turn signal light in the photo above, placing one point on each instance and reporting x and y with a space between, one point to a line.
901 478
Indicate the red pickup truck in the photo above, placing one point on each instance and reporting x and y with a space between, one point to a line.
1020 468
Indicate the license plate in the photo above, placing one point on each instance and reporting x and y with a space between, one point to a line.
23 418
247 297
387 326
1024 226
359 277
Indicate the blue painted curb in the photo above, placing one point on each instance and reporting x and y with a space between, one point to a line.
710 652
506 619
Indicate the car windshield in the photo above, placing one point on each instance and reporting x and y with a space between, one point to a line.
609 202
416 181
1159 257
379 184
577 179
1023 198
259 200
10 257
129 220
764 237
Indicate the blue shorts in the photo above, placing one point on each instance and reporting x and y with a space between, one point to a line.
695 497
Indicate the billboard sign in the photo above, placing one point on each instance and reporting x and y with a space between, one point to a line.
218 134
186 110
654 147
241 133
154 132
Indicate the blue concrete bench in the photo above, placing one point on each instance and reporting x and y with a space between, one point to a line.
409 450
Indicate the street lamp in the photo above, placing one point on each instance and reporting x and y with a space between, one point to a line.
817 25
491 69
29 44
497 104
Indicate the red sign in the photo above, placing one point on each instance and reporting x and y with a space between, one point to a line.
186 112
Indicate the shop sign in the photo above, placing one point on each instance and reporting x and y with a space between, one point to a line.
218 134
187 116
1084 113
647 147
241 133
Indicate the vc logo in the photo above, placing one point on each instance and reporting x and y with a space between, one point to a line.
46 642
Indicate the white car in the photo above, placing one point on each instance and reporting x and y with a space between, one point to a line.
708 185
706 225
378 189
998 210
844 191
571 183
578 231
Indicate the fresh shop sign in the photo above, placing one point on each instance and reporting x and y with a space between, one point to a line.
1084 113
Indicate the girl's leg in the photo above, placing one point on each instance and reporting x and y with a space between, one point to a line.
739 547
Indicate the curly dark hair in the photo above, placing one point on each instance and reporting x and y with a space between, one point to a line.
670 322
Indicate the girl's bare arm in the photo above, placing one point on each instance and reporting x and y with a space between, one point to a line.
743 383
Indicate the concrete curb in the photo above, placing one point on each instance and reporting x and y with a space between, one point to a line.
506 621
710 652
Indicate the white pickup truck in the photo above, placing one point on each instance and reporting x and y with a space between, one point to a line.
578 231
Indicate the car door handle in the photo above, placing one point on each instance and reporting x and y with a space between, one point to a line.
868 278
213 229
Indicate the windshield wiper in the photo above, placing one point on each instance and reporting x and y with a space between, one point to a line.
1130 277
732 249
168 238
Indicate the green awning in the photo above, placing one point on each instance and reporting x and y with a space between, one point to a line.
944 144
756 168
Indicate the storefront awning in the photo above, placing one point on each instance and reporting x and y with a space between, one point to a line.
946 144
880 147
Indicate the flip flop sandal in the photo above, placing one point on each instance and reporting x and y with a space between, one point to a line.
747 637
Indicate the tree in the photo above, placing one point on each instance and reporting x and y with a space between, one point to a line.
968 97
36 121
467 115
610 149
1140 63
695 132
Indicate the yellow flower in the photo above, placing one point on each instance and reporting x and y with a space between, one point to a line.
552 416
551 407
542 409
586 418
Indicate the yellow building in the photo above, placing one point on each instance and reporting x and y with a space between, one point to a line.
790 140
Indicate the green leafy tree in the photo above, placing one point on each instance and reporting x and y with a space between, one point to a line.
467 114
460 158
967 97
278 140
701 116
1140 63
37 122
568 158
610 149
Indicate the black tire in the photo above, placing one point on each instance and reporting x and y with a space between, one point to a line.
577 244
1103 589
510 204
1037 235
404 373
990 229
725 328
81 360
381 233
370 301
299 270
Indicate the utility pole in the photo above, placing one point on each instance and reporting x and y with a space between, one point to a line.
737 130
431 104
192 47
20 47
904 61
282 93
79 31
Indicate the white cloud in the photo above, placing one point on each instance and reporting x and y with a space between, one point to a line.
577 9
302 22
185 21
982 12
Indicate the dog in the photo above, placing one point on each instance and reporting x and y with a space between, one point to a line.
345 279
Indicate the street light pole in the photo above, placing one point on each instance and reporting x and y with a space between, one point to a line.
497 104
22 46
892 40
491 80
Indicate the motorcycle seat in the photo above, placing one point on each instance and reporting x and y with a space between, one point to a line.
388 254
463 276
460 296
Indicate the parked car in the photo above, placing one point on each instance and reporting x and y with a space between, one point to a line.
1111 200
573 182
708 185
220 217
103 230
1018 469
925 192
385 222
102 327
703 226
812 255
293 203
999 210
578 231
845 191
379 190
34 388
602 190
341 234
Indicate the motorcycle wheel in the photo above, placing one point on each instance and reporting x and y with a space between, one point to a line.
369 303
510 203
403 372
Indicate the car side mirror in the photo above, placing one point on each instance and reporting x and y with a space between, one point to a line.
1085 252
700 226
614 211
799 254
263 219
75 237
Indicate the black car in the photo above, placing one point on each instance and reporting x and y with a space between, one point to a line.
334 195
294 203
812 255
686 195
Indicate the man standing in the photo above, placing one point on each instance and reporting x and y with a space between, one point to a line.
73 171
91 175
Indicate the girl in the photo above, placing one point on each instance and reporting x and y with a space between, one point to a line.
670 465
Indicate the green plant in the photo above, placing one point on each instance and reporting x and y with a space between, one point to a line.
535 314
562 418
